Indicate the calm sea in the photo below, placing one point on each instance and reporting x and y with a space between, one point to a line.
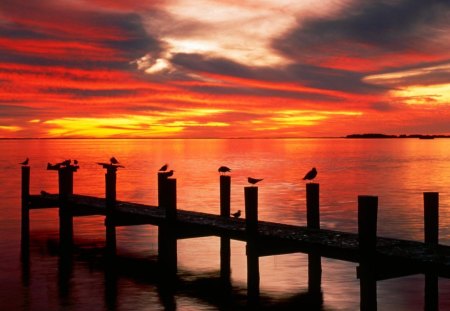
396 170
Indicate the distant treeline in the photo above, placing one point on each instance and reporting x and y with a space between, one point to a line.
377 135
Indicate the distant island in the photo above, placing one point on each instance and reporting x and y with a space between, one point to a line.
378 135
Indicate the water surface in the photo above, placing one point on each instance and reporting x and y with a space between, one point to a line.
396 170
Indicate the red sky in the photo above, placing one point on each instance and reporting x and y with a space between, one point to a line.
223 68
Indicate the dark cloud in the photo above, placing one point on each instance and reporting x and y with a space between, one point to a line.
132 41
378 25
12 111
383 106
81 93
332 79
312 76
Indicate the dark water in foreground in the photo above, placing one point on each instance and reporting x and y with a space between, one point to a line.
398 171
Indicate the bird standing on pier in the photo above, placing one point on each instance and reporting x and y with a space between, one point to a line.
254 180
164 168
113 160
237 214
25 162
223 169
311 174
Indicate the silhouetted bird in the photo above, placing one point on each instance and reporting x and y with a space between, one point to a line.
66 162
311 174
113 160
75 162
168 173
25 162
224 169
237 214
254 180
53 166
164 168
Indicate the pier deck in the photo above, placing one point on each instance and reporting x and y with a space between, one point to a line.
273 238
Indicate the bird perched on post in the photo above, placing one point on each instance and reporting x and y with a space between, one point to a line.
66 162
168 173
113 160
237 214
164 168
254 180
223 169
25 162
311 174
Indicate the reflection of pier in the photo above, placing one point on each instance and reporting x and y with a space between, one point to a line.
378 258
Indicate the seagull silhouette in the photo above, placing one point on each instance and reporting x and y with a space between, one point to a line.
254 180
75 162
25 162
113 160
168 173
164 168
311 174
223 169
237 214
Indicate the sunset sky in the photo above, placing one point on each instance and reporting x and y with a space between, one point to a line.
223 68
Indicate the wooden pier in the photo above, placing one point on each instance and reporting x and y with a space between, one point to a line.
379 258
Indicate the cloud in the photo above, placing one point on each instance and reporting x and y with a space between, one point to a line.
371 29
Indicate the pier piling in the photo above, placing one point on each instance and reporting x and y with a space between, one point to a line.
167 241
431 218
225 210
251 225
65 185
367 234
110 195
367 223
25 212
313 222
312 206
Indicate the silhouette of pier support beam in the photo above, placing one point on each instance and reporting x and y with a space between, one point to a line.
431 237
251 225
225 210
111 197
25 211
431 218
65 185
313 222
367 232
167 241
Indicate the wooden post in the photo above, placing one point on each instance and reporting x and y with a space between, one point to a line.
251 226
368 287
313 222
65 177
251 211
367 232
431 291
367 224
25 212
167 241
225 193
431 218
162 178
225 210
110 195
312 206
